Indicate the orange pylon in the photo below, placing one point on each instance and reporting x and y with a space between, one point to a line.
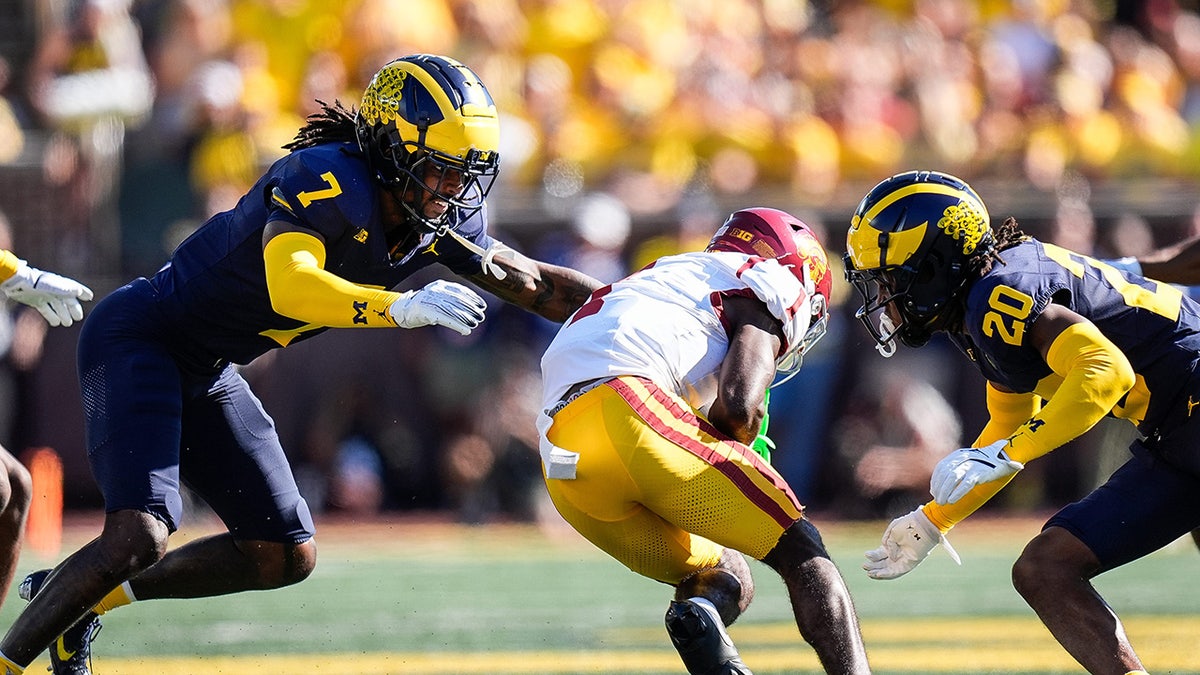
43 531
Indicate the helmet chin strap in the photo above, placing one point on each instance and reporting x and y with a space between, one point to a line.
888 328
488 255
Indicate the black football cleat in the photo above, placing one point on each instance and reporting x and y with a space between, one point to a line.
71 653
699 636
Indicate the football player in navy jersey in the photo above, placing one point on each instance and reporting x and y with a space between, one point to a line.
364 199
1063 340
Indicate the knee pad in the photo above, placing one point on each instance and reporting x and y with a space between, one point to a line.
799 543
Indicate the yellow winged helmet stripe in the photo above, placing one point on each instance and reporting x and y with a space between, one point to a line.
474 126
866 251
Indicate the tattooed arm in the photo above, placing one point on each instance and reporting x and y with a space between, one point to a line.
550 291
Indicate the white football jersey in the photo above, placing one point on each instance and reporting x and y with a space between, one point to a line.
661 323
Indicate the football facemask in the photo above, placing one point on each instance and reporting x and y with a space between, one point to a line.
907 248
430 131
789 364
873 287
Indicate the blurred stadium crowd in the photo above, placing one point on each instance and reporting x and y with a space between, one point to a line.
629 128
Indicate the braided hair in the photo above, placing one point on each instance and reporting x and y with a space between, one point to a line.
1006 236
332 124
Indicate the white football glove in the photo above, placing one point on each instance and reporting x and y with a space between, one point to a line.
906 542
963 469
443 303
56 297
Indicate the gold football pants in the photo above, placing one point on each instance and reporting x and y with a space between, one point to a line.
659 488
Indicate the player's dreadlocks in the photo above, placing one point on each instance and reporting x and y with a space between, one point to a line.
332 124
980 263
1006 236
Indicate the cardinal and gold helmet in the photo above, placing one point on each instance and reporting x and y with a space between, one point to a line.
771 233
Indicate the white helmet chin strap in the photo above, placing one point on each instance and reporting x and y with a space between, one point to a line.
888 330
489 265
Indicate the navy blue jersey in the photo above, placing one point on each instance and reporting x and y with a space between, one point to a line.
214 287
1152 323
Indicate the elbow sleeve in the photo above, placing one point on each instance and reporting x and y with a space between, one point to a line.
301 289
1096 374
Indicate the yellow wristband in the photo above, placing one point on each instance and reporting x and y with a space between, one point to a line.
9 263
946 516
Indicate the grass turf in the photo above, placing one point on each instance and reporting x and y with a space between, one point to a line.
417 597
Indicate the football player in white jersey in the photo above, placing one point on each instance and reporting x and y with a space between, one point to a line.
653 394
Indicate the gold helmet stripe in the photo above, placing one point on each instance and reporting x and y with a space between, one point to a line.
867 249
479 128
871 250
439 94
923 188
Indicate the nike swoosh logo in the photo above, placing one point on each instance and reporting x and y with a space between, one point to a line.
63 654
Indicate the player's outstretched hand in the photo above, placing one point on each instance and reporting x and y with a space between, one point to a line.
56 297
961 470
906 542
442 303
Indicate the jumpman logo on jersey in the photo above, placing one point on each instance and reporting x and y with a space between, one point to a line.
1191 404
430 248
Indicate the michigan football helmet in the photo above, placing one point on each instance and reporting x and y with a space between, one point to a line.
907 247
771 233
430 131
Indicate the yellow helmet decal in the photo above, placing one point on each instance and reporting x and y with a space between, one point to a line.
866 253
469 126
381 102
811 250
966 222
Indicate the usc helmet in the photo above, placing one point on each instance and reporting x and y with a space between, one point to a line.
424 113
771 233
907 246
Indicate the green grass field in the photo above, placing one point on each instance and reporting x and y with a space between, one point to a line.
427 598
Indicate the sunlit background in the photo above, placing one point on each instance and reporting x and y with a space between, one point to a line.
630 128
